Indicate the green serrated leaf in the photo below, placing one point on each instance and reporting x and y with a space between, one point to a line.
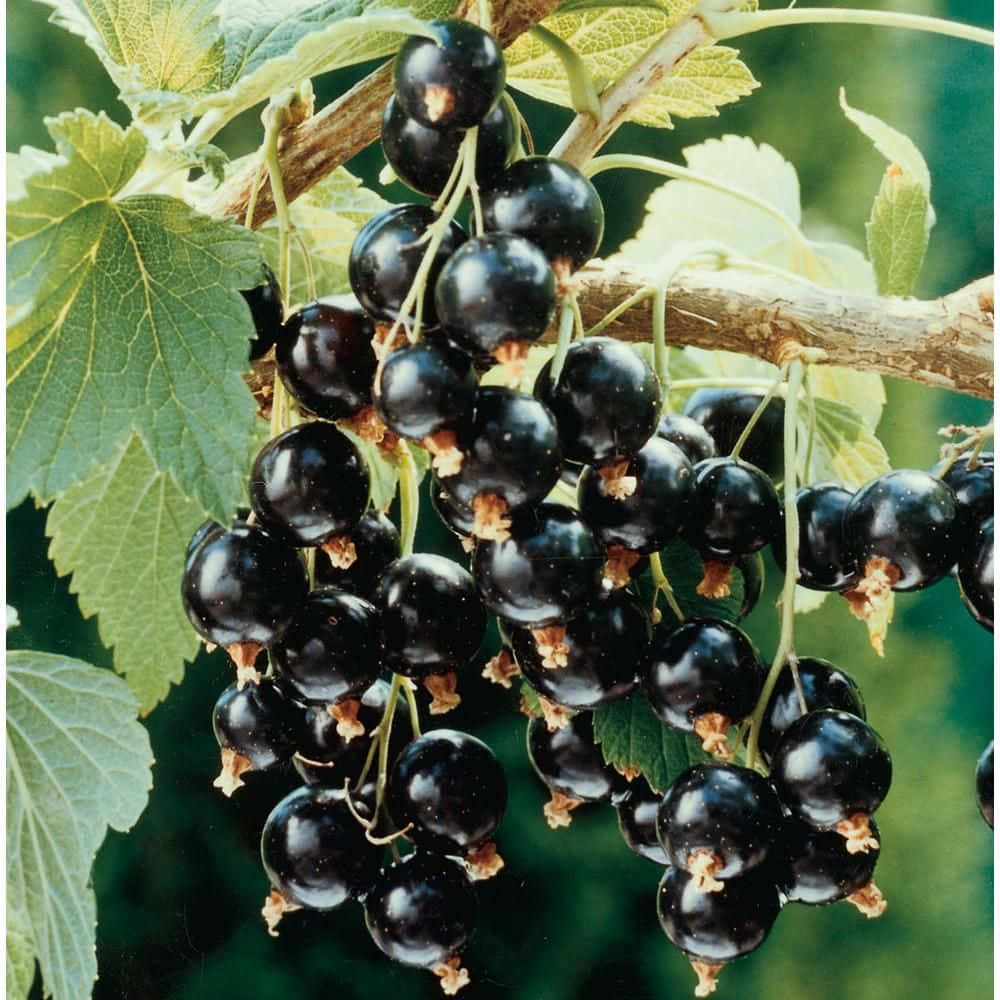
77 763
609 38
631 736
122 534
20 955
136 324
845 448
897 233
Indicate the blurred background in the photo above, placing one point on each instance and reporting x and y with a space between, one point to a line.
572 915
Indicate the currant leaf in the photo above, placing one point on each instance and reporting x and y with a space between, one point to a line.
78 762
20 954
845 448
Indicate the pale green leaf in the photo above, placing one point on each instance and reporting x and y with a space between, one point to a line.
862 391
13 618
807 601
20 954
845 448
383 470
898 233
122 534
77 763
538 357
21 165
137 325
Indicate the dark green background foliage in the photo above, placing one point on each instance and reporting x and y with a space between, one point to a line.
573 913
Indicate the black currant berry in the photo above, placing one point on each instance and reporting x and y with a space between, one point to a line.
606 401
310 484
423 158
315 852
385 258
243 585
832 770
495 290
651 516
637 821
424 389
690 436
545 573
376 544
326 361
824 560
264 301
451 787
822 685
330 652
725 412
601 650
702 676
452 80
975 575
973 488
550 203
718 821
432 618
458 518
211 527
984 784
905 526
421 910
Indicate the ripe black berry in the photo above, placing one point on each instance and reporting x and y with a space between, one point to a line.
432 618
606 401
315 852
823 686
243 585
904 525
453 80
651 516
973 488
422 910
376 544
451 787
718 821
423 158
330 652
310 484
326 361
975 575
495 290
550 203
690 436
637 821
832 770
984 784
458 518
264 301
547 572
386 255
725 412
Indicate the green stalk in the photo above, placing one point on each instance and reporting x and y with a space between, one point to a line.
411 701
583 95
409 497
275 117
756 415
661 354
565 338
385 728
661 585
634 299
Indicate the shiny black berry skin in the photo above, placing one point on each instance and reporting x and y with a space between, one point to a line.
817 868
824 561
453 80
309 484
729 811
455 516
243 585
689 435
325 359
425 388
605 644
386 255
211 527
717 927
830 765
510 447
423 158
258 723
704 665
637 821
264 301
495 289
547 572
550 203
655 513
909 518
725 412
421 910
315 852
331 650
451 787
984 784
976 574
432 618
734 509
376 543
823 686
570 762
973 488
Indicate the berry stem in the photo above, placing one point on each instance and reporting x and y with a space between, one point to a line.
275 117
566 320
661 353
756 415
661 585
384 732
578 331
411 701
583 96
787 635
409 496
807 461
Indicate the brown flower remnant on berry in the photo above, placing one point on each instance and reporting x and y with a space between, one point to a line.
708 976
870 601
712 727
566 283
619 565
446 459
703 866
858 834
491 522
346 715
555 716
341 550
385 341
557 810
453 976
234 766
439 101
551 645
484 862
274 908
367 424
443 691
716 577
869 900
501 668
513 354
244 656
614 481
